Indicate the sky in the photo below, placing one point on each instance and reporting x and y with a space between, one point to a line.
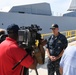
57 6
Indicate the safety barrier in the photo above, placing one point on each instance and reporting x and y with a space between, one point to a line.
70 35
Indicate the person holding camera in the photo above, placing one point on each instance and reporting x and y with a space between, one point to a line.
11 54
56 44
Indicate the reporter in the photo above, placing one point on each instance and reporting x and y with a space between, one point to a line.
11 54
68 61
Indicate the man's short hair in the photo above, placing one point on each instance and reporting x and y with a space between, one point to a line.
54 26
13 28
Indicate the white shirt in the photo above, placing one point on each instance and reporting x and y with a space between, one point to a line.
68 61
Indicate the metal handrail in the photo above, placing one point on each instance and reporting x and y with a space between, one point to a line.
68 34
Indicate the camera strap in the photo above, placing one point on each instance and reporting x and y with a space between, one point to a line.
20 61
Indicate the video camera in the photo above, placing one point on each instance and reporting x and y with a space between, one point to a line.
30 39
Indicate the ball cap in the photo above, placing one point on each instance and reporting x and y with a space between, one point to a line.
13 28
54 26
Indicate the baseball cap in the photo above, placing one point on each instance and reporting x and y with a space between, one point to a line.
54 26
12 28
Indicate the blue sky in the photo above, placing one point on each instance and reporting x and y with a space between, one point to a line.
57 6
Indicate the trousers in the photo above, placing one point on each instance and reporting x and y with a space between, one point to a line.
26 71
53 66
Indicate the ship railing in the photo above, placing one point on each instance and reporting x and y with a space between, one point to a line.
70 35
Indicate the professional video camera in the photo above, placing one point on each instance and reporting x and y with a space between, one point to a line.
30 39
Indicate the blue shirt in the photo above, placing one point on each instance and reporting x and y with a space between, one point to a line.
68 61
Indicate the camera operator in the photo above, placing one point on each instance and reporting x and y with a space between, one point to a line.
11 54
55 48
